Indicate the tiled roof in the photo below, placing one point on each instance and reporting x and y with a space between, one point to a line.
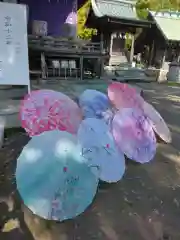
168 23
122 9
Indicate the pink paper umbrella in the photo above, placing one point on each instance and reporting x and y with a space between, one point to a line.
157 122
123 96
134 135
45 110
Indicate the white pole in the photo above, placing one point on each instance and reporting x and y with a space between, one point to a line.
29 88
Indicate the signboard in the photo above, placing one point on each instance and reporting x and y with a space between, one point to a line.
10 1
14 66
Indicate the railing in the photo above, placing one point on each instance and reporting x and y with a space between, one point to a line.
59 45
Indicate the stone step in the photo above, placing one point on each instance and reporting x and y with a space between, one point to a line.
116 60
12 93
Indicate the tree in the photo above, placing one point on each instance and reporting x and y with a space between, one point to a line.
82 31
155 5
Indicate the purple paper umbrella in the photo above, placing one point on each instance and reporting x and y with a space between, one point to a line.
72 18
71 21
134 135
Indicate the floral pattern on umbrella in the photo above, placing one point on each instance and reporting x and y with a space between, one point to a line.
53 177
122 95
134 135
100 150
93 103
46 110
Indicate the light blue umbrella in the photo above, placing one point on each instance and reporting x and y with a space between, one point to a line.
100 150
53 178
93 103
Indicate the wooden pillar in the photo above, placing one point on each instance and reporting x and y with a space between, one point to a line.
102 42
102 58
151 53
81 67
102 66
99 66
132 48
44 71
178 57
107 42
111 45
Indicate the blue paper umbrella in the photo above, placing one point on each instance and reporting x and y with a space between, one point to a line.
53 178
93 103
100 150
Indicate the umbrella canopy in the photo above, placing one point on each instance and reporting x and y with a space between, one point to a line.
100 150
123 96
72 18
108 116
134 135
2 127
157 122
93 103
53 178
71 24
45 110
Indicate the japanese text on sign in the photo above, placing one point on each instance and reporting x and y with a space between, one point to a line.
8 29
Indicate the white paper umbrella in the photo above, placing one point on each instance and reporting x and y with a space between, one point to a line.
100 150
157 122
53 178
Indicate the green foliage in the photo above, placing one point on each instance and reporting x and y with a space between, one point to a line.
155 5
142 13
84 32
128 41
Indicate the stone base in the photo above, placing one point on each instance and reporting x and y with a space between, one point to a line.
9 112
162 76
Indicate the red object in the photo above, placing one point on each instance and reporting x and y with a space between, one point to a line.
107 145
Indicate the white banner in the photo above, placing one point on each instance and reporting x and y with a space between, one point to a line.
14 66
